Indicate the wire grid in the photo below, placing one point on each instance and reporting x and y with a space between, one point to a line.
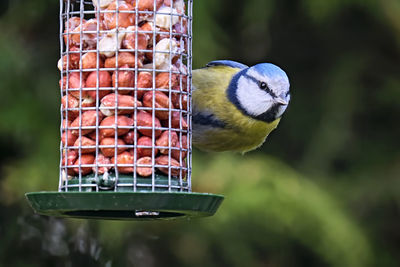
112 138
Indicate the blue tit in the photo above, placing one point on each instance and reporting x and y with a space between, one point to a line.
235 107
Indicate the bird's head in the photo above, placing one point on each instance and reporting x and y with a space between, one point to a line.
261 91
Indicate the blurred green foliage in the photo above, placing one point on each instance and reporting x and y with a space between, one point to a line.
323 191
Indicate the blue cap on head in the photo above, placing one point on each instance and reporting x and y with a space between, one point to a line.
270 70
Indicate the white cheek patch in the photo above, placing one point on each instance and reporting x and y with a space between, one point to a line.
253 100
277 83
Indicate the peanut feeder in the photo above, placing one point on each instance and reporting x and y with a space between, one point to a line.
125 85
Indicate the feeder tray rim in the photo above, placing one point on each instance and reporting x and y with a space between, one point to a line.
125 205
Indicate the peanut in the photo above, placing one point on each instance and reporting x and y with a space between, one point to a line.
108 151
89 61
144 147
75 83
145 119
73 61
179 100
126 78
88 119
68 159
143 5
182 152
163 80
126 104
144 170
145 80
108 126
85 159
163 141
161 101
125 19
86 145
67 138
124 158
104 83
166 164
70 106
124 58
177 121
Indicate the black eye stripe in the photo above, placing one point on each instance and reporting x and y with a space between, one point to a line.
251 78
267 89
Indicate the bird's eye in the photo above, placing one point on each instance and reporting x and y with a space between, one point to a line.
263 85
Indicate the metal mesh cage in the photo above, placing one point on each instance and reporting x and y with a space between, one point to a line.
125 86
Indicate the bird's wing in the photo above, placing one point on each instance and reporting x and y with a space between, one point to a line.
228 63
211 106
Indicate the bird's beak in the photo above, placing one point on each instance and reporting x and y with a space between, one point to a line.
281 101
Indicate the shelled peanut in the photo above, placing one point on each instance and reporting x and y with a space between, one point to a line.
125 91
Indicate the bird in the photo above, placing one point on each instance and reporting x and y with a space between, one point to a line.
235 106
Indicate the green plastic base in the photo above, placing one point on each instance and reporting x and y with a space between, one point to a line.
125 205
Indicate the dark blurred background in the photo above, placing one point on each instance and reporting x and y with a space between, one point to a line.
323 191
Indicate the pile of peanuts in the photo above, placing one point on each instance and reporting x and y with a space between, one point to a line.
124 89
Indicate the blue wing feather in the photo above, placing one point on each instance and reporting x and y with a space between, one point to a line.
228 63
